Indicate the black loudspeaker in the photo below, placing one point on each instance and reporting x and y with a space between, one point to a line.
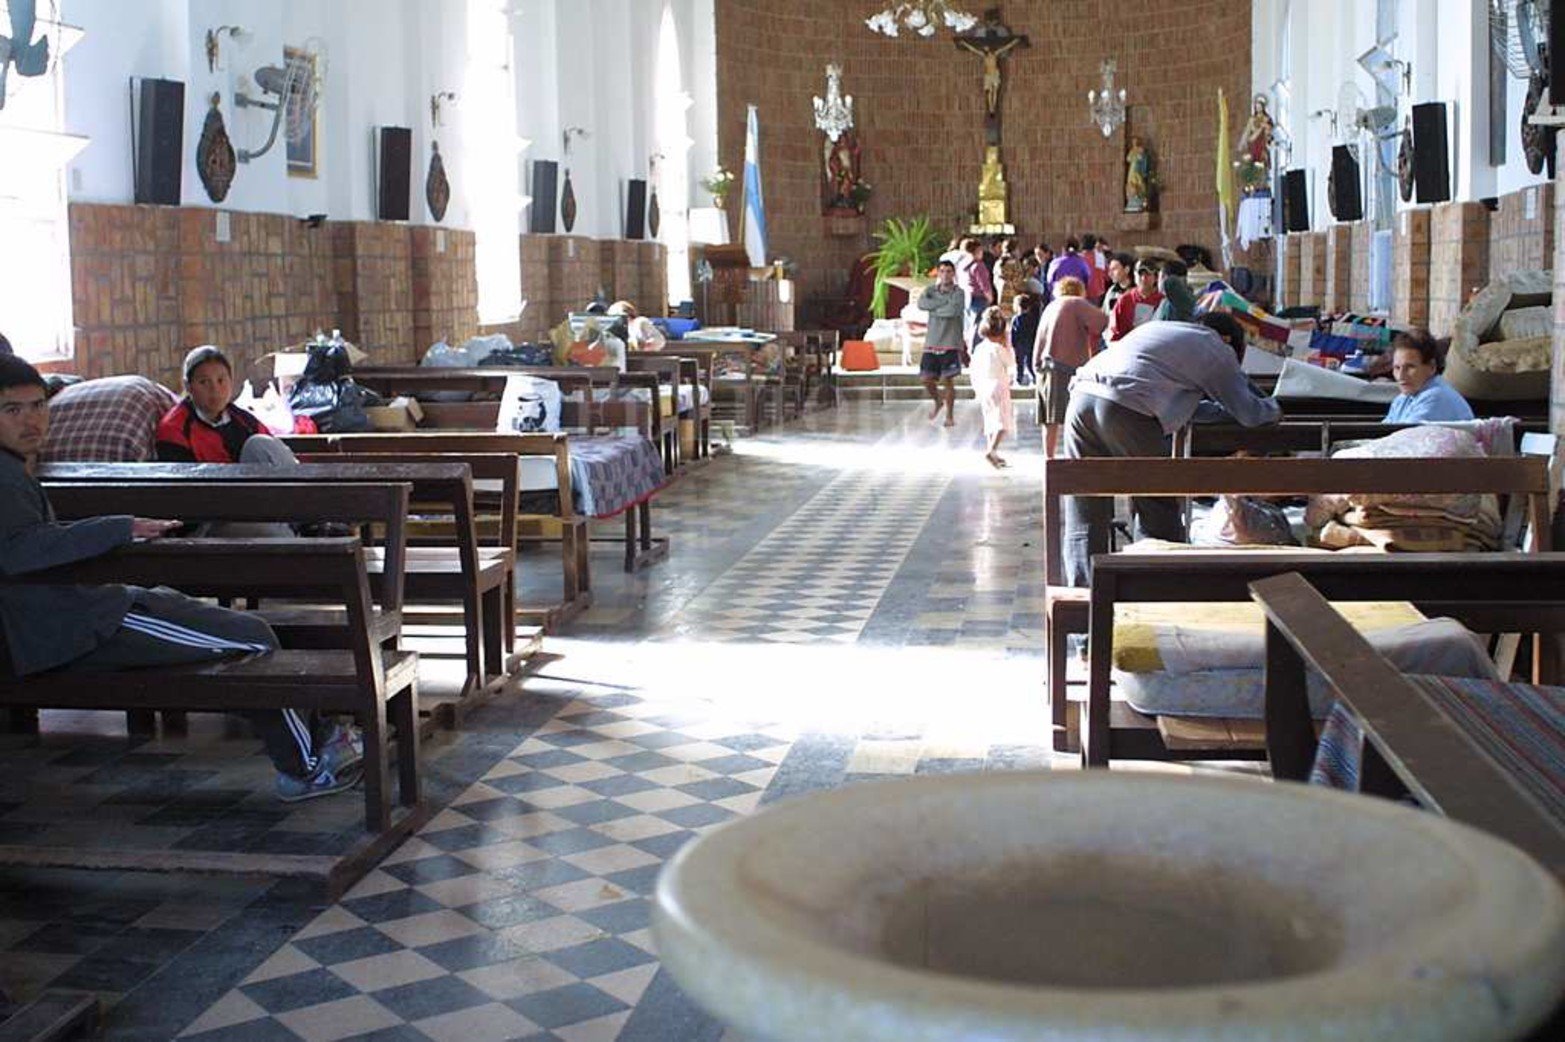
1431 156
1295 201
1345 195
160 141
1556 46
546 198
394 173
636 209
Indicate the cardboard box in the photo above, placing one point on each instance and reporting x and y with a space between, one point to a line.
399 414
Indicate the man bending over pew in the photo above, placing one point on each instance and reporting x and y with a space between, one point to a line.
1131 398
113 627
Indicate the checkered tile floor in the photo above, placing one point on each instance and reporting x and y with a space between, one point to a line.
855 597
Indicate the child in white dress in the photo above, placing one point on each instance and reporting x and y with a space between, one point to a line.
993 369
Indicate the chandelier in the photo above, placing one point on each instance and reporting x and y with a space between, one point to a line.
922 17
1107 106
834 113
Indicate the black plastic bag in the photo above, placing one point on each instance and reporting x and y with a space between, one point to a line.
327 394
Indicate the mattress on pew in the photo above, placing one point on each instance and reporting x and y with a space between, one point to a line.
1207 659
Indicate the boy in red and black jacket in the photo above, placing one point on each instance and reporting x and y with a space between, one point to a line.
206 427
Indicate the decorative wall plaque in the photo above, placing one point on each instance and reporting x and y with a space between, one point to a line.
215 159
437 189
654 215
568 203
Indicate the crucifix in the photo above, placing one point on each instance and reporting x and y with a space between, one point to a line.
992 42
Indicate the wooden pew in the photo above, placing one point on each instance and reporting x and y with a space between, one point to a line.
363 677
672 372
563 524
1163 576
1317 435
696 373
479 581
1411 745
745 404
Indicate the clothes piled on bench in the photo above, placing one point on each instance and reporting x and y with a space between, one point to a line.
1207 660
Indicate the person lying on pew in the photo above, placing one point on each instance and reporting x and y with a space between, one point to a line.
1425 397
207 427
103 629
1130 399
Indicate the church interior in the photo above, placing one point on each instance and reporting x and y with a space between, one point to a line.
781 520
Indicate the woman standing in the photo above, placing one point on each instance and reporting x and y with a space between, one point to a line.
994 367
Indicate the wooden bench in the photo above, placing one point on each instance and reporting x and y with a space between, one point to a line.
1317 435
564 524
1077 610
481 581
1411 745
743 406
696 373
377 685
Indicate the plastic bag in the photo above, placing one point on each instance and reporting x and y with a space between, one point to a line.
270 408
1247 521
529 404
327 394
480 347
521 354
445 356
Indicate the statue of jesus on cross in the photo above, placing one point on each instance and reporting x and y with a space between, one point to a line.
991 43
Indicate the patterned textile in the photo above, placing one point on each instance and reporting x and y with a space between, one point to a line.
612 473
1465 521
1520 726
112 420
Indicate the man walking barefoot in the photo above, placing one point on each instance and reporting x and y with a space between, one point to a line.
945 303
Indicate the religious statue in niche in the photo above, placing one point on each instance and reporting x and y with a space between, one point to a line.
1139 177
1255 149
844 191
992 41
215 159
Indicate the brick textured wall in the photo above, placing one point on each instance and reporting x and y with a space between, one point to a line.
1339 268
445 286
1518 242
151 282
1358 278
1410 268
1312 268
919 108
1458 260
1292 285
561 273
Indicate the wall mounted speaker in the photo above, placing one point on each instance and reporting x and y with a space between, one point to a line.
1295 201
1345 194
1431 156
160 141
546 200
393 173
636 209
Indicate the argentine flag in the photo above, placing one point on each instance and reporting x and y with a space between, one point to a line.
752 218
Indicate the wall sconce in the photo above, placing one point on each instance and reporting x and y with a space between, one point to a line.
435 102
1387 72
237 33
1107 106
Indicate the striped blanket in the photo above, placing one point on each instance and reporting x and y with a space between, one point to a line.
1519 726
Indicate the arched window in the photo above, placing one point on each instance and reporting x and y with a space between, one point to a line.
673 148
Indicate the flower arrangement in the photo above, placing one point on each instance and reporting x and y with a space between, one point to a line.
719 182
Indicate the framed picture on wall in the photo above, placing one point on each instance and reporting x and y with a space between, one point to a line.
303 131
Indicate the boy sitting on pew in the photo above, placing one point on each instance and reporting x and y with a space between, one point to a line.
104 629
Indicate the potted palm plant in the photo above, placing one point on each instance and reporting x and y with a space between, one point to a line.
908 247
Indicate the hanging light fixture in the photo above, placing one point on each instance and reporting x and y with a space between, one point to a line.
921 17
834 113
1107 106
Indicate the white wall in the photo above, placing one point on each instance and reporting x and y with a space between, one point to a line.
1447 43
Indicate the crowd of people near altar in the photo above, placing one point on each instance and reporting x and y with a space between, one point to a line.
1037 318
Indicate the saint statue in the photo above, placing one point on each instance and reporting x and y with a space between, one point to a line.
1256 142
840 165
1138 177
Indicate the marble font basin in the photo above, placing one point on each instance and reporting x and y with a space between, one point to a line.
1124 907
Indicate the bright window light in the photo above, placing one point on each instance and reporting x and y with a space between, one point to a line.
35 242
490 161
673 177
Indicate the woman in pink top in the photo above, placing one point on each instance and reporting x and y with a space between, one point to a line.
1069 333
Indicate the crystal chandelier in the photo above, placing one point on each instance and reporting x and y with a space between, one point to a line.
834 113
922 17
1107 106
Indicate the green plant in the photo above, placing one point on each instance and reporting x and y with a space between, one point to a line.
906 248
719 182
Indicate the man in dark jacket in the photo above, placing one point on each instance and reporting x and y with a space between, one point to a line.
113 627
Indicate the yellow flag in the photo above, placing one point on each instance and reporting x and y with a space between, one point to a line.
1225 170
